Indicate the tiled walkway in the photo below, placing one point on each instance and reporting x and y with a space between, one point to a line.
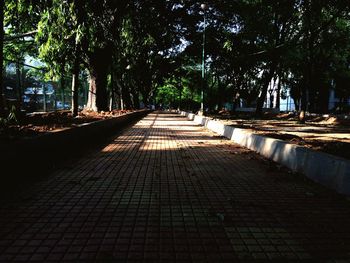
169 191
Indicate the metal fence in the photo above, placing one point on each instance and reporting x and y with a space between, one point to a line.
27 89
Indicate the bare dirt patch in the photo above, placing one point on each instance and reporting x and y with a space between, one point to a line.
39 123
329 134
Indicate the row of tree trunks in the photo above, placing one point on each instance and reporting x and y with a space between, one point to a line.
268 75
122 95
275 101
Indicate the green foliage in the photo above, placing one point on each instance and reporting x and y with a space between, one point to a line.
57 31
20 17
153 45
179 90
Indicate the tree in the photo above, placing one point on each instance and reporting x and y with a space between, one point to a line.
59 36
20 19
146 55
131 48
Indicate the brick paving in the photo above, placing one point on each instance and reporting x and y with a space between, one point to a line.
166 190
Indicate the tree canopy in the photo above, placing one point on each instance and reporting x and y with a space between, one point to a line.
151 51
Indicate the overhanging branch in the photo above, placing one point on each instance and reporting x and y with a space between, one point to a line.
25 65
28 34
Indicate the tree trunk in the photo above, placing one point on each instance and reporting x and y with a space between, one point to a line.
98 95
112 101
271 97
98 98
278 94
266 82
126 97
75 79
119 91
120 96
305 91
308 71
145 97
136 99
63 99
221 96
86 88
296 103
112 92
2 97
304 104
91 103
75 88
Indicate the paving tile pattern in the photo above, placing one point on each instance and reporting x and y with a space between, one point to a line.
166 190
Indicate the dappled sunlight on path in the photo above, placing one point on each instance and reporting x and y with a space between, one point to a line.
168 190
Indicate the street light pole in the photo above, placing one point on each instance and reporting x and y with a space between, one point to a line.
204 7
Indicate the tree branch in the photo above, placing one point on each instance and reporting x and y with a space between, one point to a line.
9 38
25 65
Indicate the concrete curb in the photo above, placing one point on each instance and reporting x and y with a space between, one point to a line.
328 170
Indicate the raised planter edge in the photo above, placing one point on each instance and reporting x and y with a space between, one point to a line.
326 169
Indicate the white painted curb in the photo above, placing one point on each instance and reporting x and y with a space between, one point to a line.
326 169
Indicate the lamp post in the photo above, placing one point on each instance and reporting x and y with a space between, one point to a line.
123 87
203 7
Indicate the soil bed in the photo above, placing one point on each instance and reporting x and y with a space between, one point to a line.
35 124
43 141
